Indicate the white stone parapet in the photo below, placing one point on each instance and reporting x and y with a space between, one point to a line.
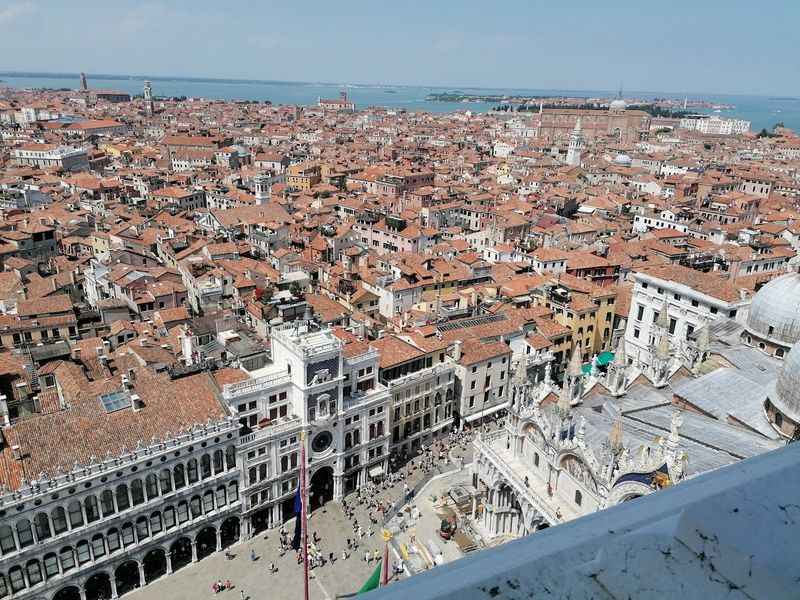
728 532
253 386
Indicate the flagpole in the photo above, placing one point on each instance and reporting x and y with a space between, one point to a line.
386 537
304 512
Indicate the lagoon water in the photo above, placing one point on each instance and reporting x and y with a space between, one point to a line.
762 111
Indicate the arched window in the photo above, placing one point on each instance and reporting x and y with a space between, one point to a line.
137 492
34 572
205 466
233 491
92 511
3 587
169 517
7 539
356 437
578 497
67 558
778 420
112 538
348 441
75 514
42 525
151 486
165 479
183 512
83 552
380 428
155 523
372 431
107 503
98 546
196 507
142 530
219 464
16 578
221 496
191 470
284 463
127 535
779 352
59 520
178 474
230 457
24 533
123 502
208 501
50 562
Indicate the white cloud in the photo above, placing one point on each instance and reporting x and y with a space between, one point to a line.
14 11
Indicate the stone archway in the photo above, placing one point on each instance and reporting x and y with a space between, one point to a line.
68 593
127 577
181 553
206 542
229 531
98 587
154 564
321 487
260 520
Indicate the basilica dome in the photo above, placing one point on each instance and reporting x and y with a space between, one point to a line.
784 404
617 105
775 312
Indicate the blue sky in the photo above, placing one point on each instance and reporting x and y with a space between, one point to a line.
701 46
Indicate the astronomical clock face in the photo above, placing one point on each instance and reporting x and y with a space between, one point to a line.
321 441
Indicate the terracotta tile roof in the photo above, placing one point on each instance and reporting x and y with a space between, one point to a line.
84 432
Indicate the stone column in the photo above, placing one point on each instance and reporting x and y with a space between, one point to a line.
219 539
141 575
474 504
113 581
82 592
168 556
246 529
194 551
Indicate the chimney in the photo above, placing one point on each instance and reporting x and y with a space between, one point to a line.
75 353
5 421
136 403
131 375
457 350
106 347
126 382
99 350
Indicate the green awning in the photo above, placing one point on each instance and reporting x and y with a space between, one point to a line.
603 359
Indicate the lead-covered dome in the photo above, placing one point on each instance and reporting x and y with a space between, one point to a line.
775 311
786 397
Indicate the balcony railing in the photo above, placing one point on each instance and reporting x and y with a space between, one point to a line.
253 386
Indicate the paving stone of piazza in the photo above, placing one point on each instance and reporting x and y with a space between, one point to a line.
254 578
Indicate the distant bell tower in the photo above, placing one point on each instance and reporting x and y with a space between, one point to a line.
575 145
148 99
84 85
263 189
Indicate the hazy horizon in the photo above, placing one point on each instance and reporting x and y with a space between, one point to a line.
66 75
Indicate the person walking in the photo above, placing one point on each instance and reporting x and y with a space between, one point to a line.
367 556
241 594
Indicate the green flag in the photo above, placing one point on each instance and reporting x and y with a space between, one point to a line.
373 581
